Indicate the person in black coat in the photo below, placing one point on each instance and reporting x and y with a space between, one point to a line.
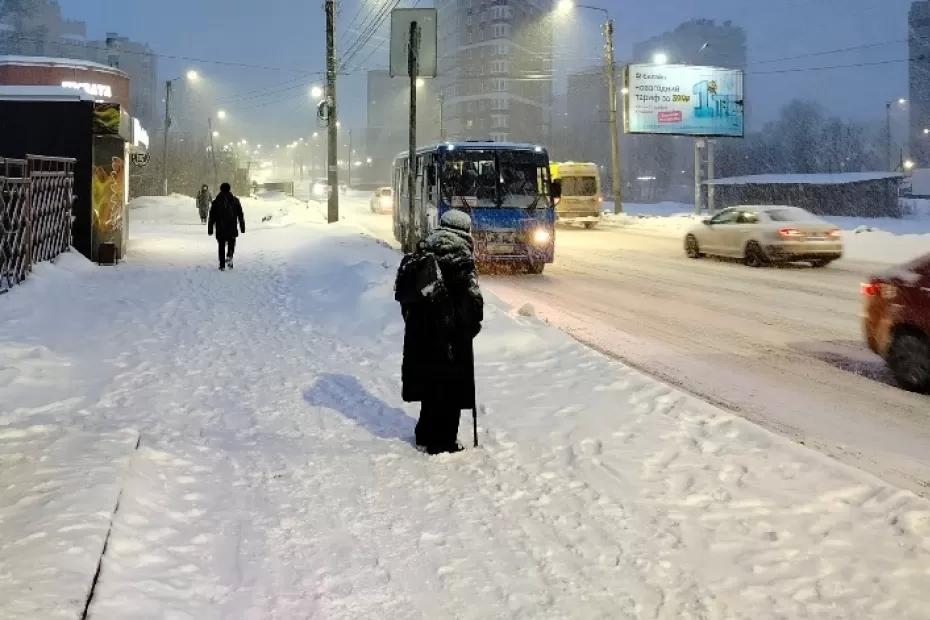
227 218
442 306
204 200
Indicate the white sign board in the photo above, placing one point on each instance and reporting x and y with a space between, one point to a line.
684 100
402 20
95 90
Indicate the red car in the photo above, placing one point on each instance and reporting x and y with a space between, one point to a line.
897 322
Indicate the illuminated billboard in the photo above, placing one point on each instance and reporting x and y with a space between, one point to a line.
684 100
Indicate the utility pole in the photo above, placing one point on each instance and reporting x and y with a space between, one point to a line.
332 214
349 182
888 135
413 68
164 163
614 129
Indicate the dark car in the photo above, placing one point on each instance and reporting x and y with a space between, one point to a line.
897 322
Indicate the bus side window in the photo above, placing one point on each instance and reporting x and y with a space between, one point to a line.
431 193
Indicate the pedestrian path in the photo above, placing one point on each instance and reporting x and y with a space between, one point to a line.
276 479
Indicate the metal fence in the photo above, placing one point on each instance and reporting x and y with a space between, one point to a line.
36 195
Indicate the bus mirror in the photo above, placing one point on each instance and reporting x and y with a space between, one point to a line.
556 190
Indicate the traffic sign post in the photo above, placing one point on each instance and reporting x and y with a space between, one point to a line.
414 38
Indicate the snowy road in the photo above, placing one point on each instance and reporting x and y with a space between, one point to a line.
781 347
276 480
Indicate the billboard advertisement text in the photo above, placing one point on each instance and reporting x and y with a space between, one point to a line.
684 100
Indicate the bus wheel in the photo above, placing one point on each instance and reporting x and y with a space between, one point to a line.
536 267
590 225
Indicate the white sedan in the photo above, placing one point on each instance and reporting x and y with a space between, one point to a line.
760 235
382 201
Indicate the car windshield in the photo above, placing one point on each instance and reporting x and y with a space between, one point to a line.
495 178
789 214
579 186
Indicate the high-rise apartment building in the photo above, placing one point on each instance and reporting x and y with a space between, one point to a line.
495 64
43 31
919 83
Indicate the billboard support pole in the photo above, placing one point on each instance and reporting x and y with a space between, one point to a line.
711 175
616 174
698 177
413 68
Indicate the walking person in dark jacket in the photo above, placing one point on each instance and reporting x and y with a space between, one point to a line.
227 217
437 287
204 200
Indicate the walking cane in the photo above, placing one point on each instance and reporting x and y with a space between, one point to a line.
474 417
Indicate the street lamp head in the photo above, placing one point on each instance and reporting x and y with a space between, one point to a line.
421 82
564 7
368 160
193 76
624 91
909 165
216 134
221 115
660 58
902 101
316 91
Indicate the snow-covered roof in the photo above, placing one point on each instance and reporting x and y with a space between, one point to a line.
42 93
807 179
70 63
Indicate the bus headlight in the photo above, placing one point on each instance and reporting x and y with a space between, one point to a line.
541 236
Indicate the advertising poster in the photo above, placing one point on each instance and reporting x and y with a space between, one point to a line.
108 191
684 100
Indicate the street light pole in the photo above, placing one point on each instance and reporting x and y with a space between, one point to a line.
164 163
564 7
216 173
888 135
617 179
442 117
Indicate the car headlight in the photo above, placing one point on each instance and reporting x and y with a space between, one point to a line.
386 202
541 236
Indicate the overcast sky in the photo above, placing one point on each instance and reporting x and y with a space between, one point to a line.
286 37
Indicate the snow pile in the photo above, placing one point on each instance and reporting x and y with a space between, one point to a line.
276 477
874 240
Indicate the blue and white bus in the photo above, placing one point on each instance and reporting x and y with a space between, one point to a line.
506 188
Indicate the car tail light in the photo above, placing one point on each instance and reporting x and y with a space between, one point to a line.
836 233
790 233
871 289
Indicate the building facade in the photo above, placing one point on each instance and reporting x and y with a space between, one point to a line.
919 82
495 66
42 31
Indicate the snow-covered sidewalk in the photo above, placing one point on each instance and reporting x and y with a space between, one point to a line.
275 476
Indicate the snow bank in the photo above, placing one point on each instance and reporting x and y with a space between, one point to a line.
276 477
874 240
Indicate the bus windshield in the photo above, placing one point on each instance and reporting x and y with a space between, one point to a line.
487 179
579 186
